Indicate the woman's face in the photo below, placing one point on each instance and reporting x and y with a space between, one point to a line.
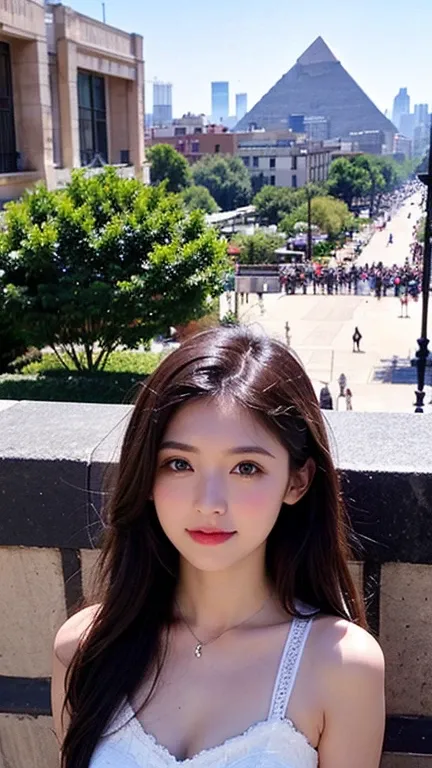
220 471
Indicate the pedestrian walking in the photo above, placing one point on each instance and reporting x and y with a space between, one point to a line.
357 337
342 381
287 335
348 399
326 400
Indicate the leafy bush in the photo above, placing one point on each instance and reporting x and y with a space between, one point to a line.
105 262
119 362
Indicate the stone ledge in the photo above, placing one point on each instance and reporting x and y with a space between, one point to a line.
53 457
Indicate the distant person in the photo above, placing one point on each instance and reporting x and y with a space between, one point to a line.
326 400
357 337
390 239
348 399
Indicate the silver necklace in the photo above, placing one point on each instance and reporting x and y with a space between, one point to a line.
200 643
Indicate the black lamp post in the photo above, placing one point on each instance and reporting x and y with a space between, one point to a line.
423 352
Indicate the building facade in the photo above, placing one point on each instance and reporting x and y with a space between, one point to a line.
241 105
368 142
162 104
220 102
421 114
401 106
281 162
74 95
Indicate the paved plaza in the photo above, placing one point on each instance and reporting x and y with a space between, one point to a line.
321 327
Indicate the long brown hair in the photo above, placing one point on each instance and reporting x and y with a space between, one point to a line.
307 551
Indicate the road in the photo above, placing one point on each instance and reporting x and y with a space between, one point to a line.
402 230
321 327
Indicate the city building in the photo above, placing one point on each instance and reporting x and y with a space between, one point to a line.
421 114
401 106
241 105
407 124
421 139
368 142
296 123
72 94
317 127
219 102
402 147
162 104
194 138
318 85
280 162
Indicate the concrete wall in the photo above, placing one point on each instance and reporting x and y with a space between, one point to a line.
52 460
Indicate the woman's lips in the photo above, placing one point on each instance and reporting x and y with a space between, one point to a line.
211 537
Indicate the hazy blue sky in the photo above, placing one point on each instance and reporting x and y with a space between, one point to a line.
384 44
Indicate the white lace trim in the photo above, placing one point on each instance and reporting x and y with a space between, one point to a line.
288 667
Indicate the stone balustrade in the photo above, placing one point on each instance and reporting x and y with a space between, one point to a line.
53 457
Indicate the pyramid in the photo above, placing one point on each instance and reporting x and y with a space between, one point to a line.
318 85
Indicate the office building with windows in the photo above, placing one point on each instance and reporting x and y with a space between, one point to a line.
219 102
72 94
421 114
241 105
162 104
401 106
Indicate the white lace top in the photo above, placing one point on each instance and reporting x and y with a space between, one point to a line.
271 743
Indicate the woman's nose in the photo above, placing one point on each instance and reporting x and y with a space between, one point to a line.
211 497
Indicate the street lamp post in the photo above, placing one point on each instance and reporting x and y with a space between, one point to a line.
423 342
309 224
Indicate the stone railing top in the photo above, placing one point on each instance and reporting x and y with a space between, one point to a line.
92 433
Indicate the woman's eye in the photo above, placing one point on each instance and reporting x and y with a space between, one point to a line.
178 465
247 469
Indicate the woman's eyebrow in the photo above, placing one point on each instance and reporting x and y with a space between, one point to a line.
175 445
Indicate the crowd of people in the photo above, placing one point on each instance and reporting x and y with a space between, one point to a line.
375 279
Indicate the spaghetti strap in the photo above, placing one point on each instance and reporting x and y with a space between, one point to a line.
288 667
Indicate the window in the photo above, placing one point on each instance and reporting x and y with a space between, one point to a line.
272 181
255 162
180 146
197 130
294 162
272 162
246 161
92 118
294 181
217 149
180 131
195 146
8 156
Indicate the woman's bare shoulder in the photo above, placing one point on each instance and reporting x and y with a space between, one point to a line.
73 632
347 646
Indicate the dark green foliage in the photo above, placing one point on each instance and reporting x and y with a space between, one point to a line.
169 166
106 262
226 178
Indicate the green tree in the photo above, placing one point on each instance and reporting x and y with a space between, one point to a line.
273 203
226 178
105 262
12 338
258 248
331 216
199 198
347 180
166 164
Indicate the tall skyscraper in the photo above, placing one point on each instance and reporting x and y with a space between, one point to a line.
241 105
401 106
421 114
162 104
220 101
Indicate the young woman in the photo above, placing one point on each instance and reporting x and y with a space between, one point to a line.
228 631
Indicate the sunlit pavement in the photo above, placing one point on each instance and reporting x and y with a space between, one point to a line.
321 327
